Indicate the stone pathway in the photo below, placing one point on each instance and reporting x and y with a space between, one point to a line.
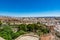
1 38
28 37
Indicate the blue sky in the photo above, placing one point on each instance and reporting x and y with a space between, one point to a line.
30 8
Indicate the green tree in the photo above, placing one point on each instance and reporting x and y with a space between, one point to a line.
23 27
0 23
8 23
38 22
30 27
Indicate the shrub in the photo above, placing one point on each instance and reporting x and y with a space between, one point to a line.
23 27
6 33
21 32
0 23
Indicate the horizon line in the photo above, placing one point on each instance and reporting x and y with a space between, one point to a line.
28 16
